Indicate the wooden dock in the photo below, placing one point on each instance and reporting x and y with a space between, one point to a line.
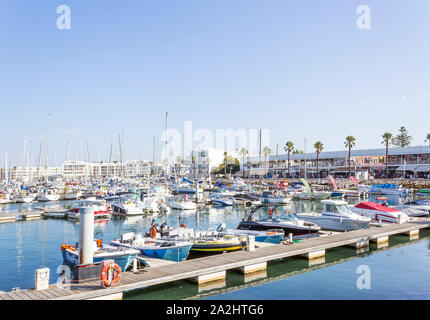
217 264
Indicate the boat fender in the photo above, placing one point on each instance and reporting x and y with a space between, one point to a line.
183 225
108 281
153 232
221 227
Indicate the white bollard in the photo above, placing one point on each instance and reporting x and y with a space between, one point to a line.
250 243
135 266
86 236
41 279
290 237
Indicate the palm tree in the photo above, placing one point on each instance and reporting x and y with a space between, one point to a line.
244 153
289 147
318 148
266 152
428 138
387 137
349 143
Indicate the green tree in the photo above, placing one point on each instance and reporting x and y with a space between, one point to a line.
403 139
386 139
349 143
289 147
318 149
428 138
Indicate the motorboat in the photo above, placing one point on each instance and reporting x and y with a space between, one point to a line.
320 193
274 198
336 216
128 207
173 250
71 194
121 256
24 197
289 223
246 199
411 208
219 198
181 203
209 241
47 195
5 198
269 236
101 211
388 189
376 212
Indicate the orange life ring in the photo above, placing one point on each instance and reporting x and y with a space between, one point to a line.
153 232
183 225
113 267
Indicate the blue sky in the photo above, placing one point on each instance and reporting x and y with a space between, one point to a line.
299 68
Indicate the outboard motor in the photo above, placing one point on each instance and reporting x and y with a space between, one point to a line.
164 229
221 227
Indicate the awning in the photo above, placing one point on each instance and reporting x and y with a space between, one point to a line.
423 168
407 167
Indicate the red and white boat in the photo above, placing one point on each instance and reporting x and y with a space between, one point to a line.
101 211
376 212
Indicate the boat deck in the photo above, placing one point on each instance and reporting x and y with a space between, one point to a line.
209 265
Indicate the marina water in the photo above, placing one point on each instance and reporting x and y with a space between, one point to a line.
400 271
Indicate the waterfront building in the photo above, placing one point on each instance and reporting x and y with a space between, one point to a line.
408 161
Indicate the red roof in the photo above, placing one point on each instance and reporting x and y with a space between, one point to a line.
374 206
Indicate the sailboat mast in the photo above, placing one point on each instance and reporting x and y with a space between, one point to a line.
120 155
46 150
23 159
30 178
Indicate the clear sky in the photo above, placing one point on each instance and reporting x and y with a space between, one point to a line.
299 68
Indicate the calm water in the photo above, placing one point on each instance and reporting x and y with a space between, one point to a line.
402 271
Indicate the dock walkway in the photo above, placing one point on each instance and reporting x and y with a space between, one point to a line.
209 265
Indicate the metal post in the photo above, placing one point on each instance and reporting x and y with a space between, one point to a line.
86 236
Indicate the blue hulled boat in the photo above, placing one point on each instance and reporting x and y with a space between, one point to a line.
122 256
172 250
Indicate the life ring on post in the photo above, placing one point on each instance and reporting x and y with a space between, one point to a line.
183 225
153 232
113 269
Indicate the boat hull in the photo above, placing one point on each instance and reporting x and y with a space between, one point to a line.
124 260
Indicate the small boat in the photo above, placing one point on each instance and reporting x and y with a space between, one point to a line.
274 198
100 210
205 241
181 203
128 208
48 195
289 223
5 198
411 208
24 197
172 250
376 212
337 216
320 193
122 256
247 200
269 236
388 189
219 198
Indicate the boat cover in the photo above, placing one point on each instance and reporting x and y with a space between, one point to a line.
374 206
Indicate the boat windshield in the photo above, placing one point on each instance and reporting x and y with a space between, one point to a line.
339 208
